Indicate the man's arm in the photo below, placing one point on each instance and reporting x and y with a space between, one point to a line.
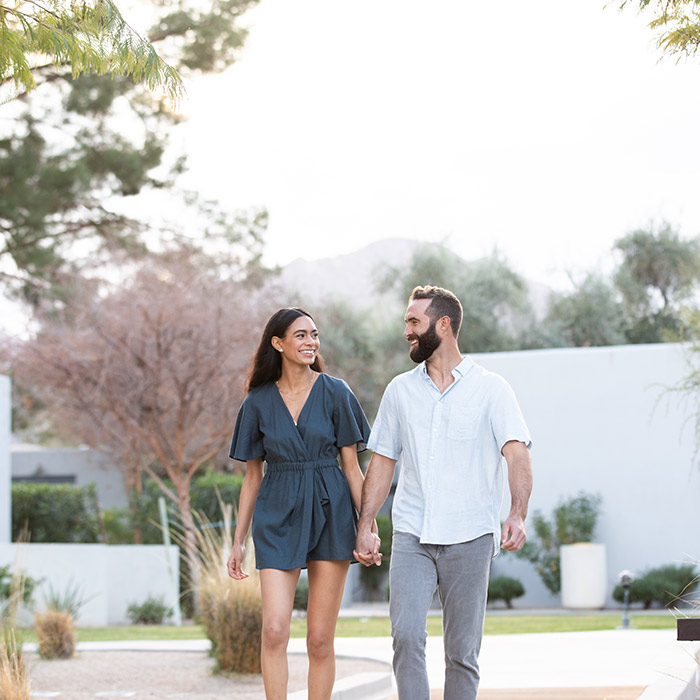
374 492
519 462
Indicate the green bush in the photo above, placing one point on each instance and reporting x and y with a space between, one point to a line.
6 587
667 585
574 520
151 612
505 588
55 512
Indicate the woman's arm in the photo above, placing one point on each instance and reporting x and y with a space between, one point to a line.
353 473
246 506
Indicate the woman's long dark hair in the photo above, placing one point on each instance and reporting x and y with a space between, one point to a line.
267 363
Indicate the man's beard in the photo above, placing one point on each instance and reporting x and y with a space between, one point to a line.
428 343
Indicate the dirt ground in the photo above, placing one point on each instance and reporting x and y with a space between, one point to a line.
160 675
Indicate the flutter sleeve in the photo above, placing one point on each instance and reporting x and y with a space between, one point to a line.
351 426
247 438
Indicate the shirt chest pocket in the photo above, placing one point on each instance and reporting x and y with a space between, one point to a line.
463 424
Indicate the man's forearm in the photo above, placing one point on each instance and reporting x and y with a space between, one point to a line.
375 488
519 479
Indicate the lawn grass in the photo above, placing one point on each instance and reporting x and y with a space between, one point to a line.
380 627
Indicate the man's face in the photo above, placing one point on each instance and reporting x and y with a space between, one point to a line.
420 331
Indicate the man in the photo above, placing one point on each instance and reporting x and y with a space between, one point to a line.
450 423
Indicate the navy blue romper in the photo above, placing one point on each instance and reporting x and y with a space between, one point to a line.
304 510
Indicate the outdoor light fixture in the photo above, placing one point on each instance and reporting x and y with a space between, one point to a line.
625 577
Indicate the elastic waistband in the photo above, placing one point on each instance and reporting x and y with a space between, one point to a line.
301 466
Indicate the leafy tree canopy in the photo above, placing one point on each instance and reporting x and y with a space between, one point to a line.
80 150
91 37
677 23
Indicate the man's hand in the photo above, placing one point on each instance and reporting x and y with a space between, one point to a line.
513 534
367 547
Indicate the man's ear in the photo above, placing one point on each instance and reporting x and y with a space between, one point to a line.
444 324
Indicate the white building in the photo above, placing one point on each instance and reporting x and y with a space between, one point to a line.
604 420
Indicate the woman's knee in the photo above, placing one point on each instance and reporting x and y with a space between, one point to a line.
275 633
319 646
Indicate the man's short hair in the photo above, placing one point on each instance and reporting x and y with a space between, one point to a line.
442 303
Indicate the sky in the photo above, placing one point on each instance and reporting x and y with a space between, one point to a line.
544 130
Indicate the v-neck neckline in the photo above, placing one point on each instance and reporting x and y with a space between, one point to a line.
295 423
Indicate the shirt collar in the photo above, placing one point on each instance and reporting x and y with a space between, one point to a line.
458 372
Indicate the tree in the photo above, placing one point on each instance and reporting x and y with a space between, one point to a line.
90 37
588 316
154 371
677 23
80 150
658 274
497 310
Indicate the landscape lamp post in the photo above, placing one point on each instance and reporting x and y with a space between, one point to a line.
625 578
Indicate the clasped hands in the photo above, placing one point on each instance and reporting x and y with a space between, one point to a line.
367 545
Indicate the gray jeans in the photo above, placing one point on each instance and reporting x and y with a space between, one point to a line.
459 572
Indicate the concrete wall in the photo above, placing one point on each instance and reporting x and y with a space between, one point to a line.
603 421
5 499
79 466
110 576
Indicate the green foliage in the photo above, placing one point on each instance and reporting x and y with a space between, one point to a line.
55 512
152 611
505 588
70 600
119 522
659 272
667 585
677 23
8 585
92 37
301 594
87 141
574 520
588 316
497 310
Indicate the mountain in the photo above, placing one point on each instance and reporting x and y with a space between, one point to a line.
353 277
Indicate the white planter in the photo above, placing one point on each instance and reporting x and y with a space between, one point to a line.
583 575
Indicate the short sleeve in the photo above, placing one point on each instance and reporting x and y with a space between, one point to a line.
386 431
349 421
247 438
507 422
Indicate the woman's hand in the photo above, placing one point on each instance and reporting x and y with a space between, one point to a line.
235 561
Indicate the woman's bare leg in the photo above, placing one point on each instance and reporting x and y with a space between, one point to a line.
277 600
326 583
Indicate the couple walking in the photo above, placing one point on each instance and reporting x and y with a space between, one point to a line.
449 423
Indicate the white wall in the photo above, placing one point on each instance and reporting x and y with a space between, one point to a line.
602 420
5 499
110 576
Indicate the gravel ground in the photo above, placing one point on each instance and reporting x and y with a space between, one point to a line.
160 675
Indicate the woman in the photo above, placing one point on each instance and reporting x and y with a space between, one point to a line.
297 420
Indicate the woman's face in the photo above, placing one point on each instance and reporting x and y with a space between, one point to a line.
300 343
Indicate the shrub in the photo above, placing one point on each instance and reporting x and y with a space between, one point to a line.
301 594
574 521
666 585
231 611
70 600
8 586
152 611
505 588
55 634
55 512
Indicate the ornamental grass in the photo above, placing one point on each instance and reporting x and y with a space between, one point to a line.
55 633
231 611
14 680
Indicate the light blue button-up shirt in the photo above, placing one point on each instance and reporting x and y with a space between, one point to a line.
448 447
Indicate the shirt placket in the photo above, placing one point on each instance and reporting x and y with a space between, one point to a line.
433 456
